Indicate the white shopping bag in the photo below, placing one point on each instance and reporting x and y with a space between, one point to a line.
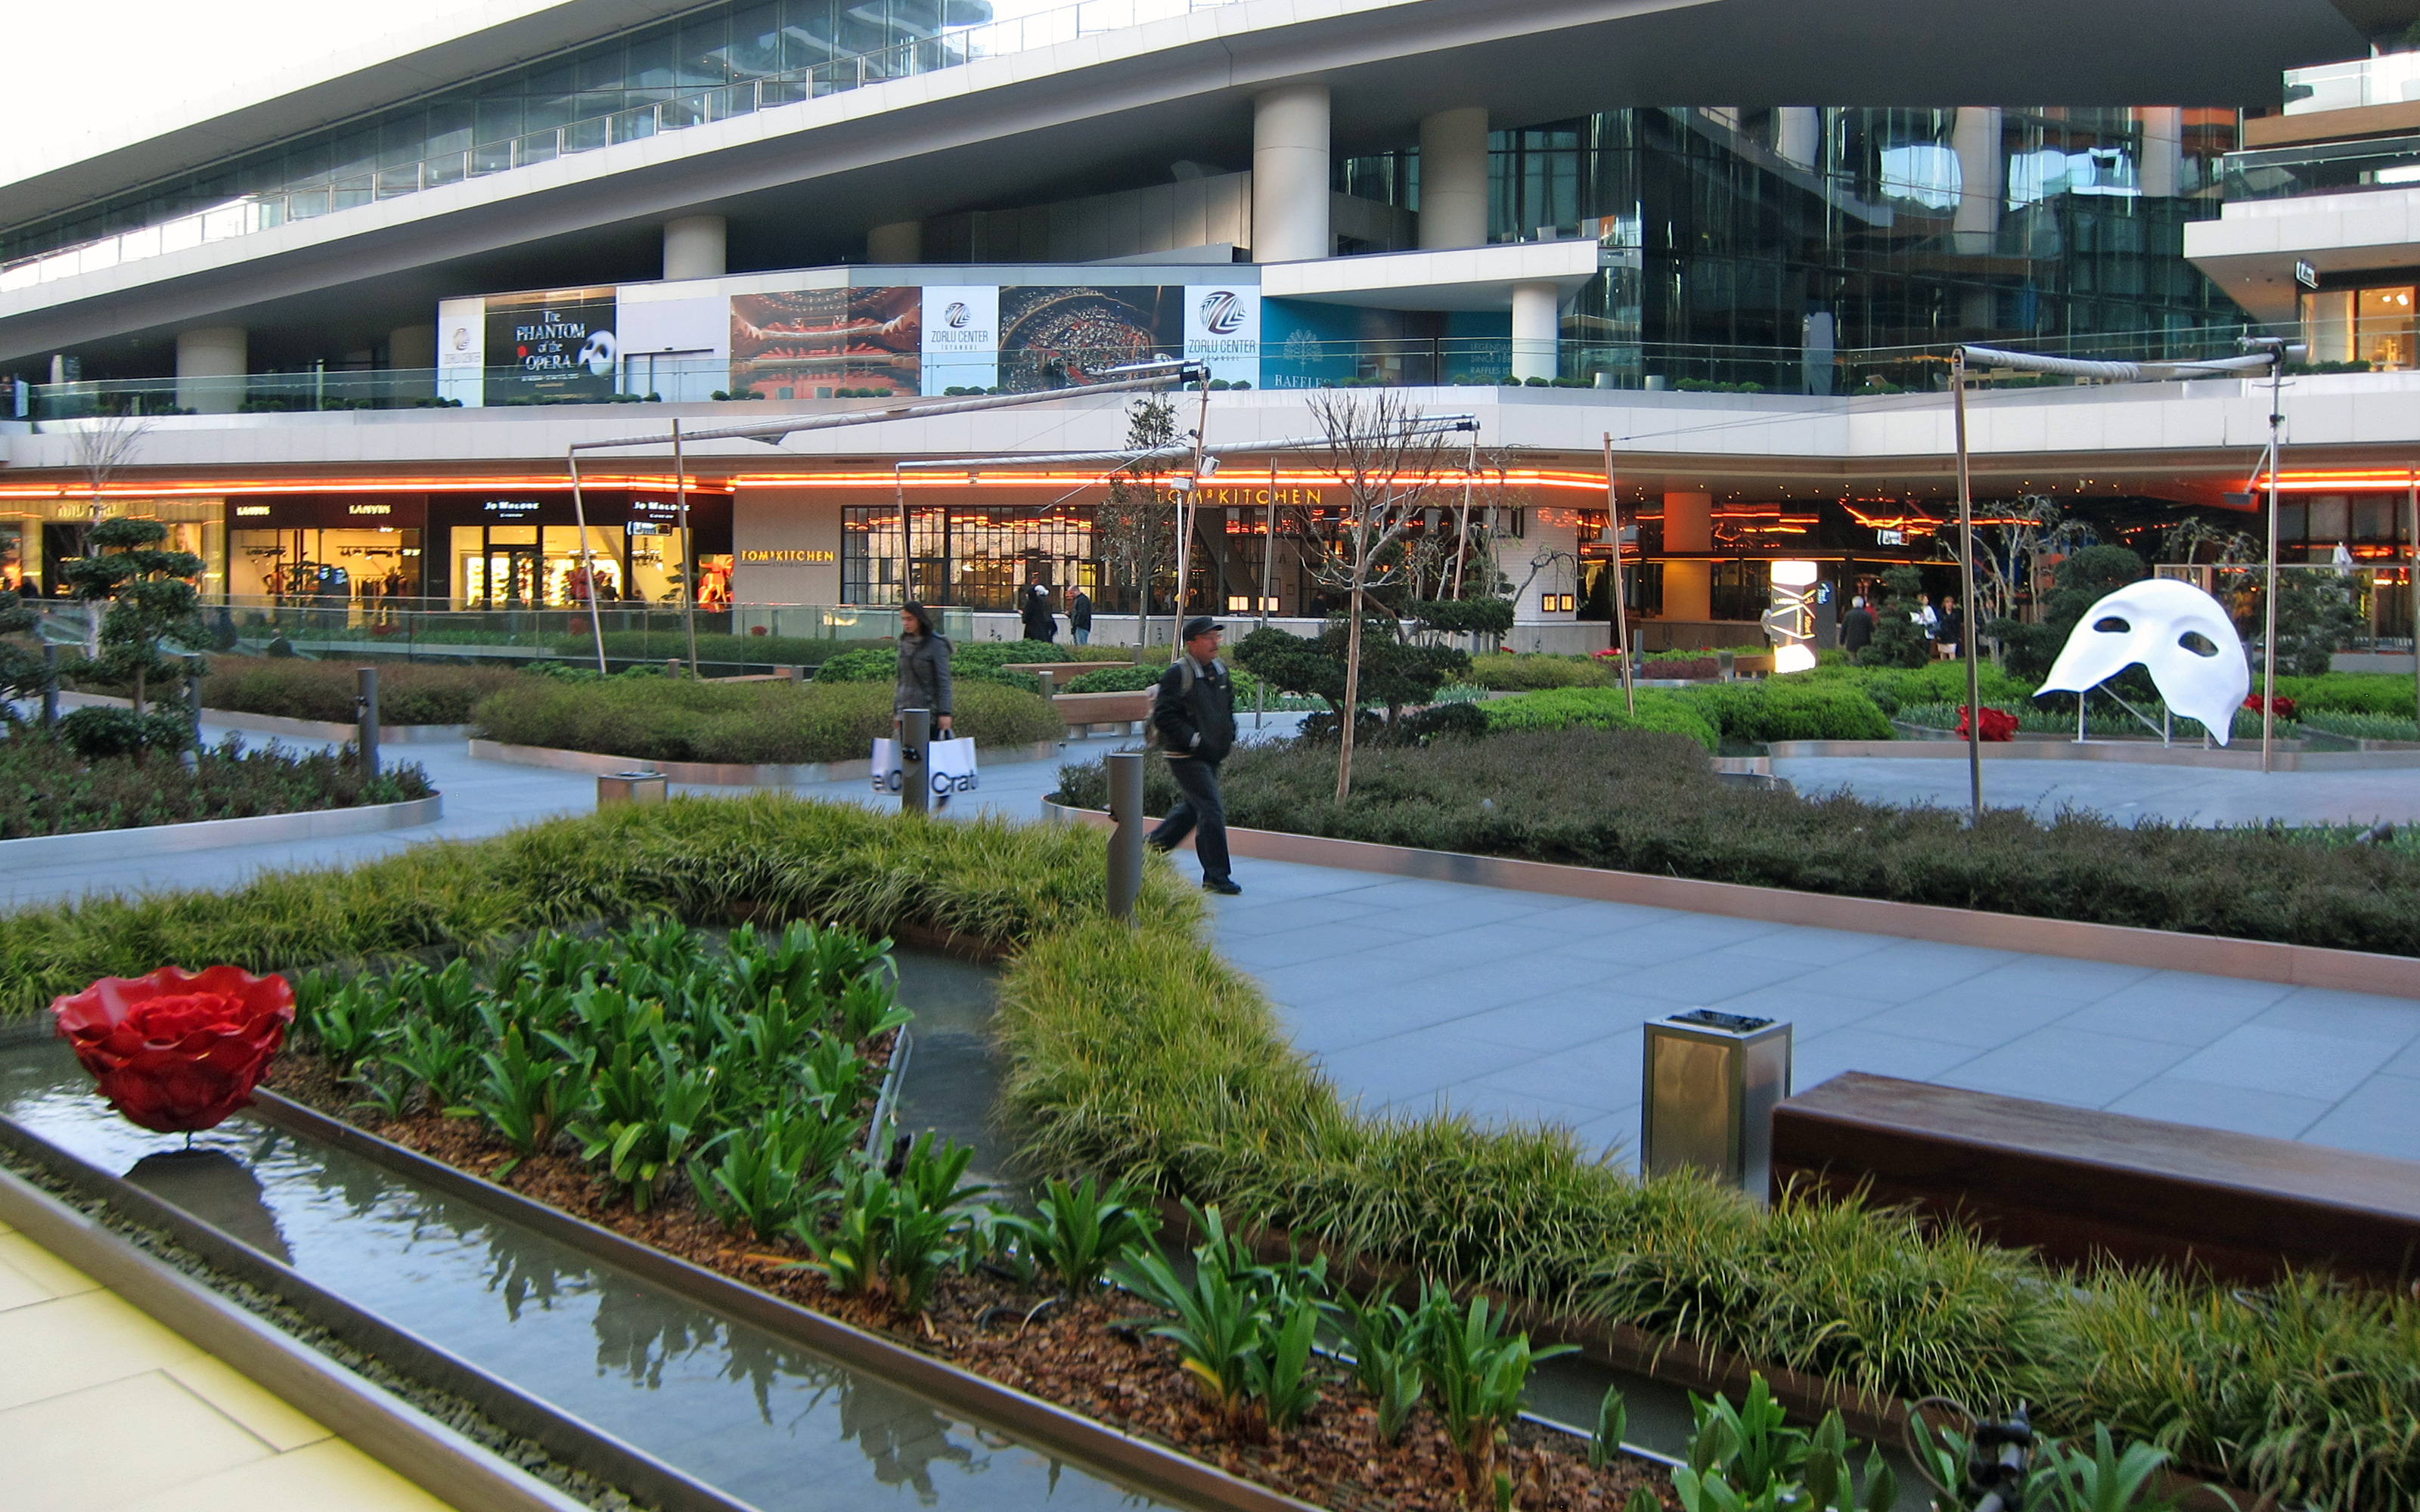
950 767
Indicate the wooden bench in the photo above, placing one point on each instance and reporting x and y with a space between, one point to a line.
1083 710
2073 1183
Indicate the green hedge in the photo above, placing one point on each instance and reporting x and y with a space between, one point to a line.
1601 708
408 693
1521 672
1133 1049
2388 693
1789 708
1636 801
674 719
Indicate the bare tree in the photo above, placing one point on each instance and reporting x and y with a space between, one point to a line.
101 447
1128 522
1389 465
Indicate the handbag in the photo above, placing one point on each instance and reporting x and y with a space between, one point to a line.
949 766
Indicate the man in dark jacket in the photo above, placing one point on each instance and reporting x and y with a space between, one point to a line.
1079 616
1856 628
1193 710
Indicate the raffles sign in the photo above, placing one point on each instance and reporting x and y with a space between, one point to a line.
550 345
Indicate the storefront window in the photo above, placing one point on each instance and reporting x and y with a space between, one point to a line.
2384 333
275 569
2327 325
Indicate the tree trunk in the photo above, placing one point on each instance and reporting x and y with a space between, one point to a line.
138 691
1352 715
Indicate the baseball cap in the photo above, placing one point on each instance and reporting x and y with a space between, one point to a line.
1201 624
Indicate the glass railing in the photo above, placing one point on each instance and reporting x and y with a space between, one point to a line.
264 212
1291 365
2322 168
2388 79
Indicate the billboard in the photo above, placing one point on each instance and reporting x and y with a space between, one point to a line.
808 344
1222 328
961 336
558 345
462 352
1054 336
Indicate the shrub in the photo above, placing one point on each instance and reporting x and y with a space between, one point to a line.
101 731
1785 709
677 719
2387 693
1114 680
1523 671
1601 708
408 693
978 661
47 787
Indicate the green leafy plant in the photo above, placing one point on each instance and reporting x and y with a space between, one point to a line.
1279 1373
869 1008
1612 1422
1384 1343
1476 1374
1219 1316
1079 1229
764 1179
430 1055
644 1113
524 1097
847 1252
348 1023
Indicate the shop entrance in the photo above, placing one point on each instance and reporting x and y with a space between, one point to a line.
508 579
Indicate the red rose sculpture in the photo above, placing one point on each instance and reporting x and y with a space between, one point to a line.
176 1052
2284 706
1998 724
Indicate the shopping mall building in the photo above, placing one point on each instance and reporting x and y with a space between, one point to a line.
342 337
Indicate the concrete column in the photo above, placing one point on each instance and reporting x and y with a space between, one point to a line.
901 242
1975 138
1290 174
694 246
211 362
1798 134
1688 585
2163 169
1453 179
1688 522
1536 330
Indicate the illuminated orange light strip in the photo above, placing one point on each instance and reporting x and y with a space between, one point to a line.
188 489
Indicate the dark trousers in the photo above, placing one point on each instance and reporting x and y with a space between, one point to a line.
1201 809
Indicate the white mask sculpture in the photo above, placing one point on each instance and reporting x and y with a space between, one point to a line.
2166 626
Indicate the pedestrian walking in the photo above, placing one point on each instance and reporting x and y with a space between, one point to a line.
1950 634
1856 628
923 676
1079 616
1040 624
1193 712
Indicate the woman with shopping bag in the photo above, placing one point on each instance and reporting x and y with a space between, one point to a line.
923 672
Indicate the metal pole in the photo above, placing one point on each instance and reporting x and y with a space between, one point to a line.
899 492
915 780
1184 523
1461 533
1620 609
587 561
688 553
1967 589
194 716
50 685
367 710
1126 841
2269 596
1268 565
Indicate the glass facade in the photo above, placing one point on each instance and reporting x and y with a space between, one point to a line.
1786 235
507 119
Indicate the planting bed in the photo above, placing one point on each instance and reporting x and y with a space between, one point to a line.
1132 1051
46 789
746 724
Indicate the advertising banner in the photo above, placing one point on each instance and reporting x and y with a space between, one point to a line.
553 345
462 352
1222 328
816 343
1306 345
1054 336
961 336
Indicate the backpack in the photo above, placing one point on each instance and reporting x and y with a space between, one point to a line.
1186 671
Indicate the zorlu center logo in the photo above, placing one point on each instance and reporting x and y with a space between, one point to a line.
958 315
1222 313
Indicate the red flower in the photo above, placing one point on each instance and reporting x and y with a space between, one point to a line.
2283 705
1998 724
176 1052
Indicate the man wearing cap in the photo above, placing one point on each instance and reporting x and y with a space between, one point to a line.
1193 711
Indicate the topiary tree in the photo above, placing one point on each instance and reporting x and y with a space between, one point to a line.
2316 614
2082 581
1897 639
1394 672
151 596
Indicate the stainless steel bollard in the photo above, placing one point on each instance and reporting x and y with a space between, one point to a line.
1126 841
915 778
366 707
630 787
1711 1083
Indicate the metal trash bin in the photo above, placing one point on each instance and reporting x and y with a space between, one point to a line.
1711 1083
629 787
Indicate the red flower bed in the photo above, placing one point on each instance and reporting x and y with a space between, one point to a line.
176 1052
1998 724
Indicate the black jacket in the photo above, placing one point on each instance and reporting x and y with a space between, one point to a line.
1039 623
924 674
1198 723
1080 612
1856 629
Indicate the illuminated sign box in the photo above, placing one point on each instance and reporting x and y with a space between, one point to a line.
789 556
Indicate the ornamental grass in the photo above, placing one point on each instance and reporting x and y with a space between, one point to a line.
1134 1049
46 789
408 693
776 723
1638 801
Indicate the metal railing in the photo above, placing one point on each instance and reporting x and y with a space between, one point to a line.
2387 79
1289 364
263 211
2321 168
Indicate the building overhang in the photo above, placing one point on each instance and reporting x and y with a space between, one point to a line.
2253 250
1464 278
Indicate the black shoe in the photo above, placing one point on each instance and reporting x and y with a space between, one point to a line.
1223 886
